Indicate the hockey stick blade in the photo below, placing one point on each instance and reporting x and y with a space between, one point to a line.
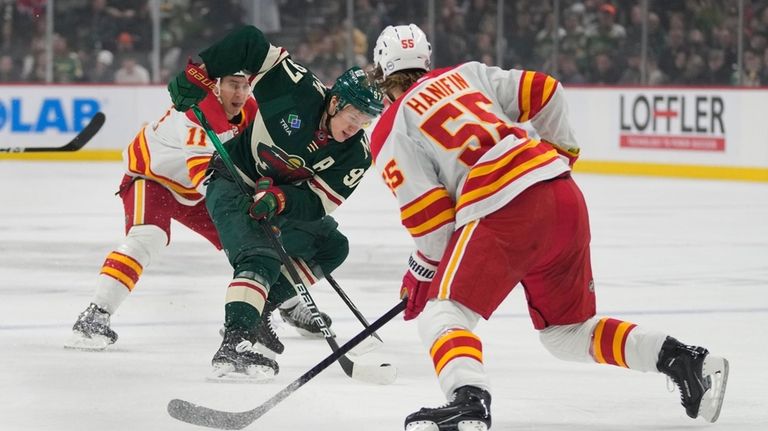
204 416
383 374
78 142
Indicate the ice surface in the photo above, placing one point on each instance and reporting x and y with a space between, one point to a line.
687 257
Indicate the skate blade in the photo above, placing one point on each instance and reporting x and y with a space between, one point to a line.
715 369
461 426
264 351
308 334
227 374
79 341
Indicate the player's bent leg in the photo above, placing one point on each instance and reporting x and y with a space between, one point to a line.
445 328
700 377
292 308
237 359
119 274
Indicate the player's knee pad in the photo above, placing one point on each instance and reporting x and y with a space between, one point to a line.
569 342
443 315
144 243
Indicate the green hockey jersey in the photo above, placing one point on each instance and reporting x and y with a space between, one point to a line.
285 140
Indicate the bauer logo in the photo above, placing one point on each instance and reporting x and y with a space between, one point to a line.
59 115
686 121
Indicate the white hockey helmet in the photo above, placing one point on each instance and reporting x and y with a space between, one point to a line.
402 47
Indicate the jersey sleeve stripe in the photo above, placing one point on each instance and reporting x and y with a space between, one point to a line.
495 177
536 90
197 167
524 96
428 212
274 55
431 225
329 198
139 162
423 201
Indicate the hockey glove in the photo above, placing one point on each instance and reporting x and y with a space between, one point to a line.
268 200
190 87
416 284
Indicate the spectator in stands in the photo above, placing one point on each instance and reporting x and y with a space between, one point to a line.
765 64
103 70
671 63
603 70
520 40
545 40
574 41
752 74
632 74
67 66
718 72
131 72
654 75
452 46
694 72
94 26
606 35
697 43
568 70
8 70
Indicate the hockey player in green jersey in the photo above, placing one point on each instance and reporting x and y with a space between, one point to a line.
303 155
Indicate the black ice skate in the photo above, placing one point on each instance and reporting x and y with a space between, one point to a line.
300 318
265 335
236 359
700 377
91 331
470 410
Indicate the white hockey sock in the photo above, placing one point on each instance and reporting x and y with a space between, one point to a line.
123 267
446 328
606 341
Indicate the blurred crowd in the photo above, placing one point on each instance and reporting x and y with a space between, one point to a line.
690 42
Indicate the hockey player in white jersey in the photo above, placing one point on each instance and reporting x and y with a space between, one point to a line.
165 167
490 207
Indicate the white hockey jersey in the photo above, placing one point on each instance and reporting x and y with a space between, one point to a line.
175 150
450 151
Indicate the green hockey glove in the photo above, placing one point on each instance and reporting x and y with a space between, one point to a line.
190 87
268 200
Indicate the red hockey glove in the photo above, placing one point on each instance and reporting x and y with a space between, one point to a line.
268 200
416 283
190 87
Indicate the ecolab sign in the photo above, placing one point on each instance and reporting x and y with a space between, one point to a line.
665 120
61 115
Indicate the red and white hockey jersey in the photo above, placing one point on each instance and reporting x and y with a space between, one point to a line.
450 151
175 150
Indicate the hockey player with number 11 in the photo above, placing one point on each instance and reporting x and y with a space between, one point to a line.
489 207
166 166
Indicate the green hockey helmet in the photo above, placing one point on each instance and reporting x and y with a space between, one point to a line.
353 87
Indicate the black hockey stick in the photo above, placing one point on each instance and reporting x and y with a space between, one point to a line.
350 304
204 416
79 141
382 374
